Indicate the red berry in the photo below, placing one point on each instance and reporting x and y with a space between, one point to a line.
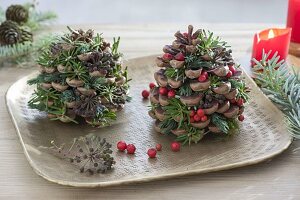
229 74
158 147
192 120
200 112
197 118
151 153
121 145
130 149
233 101
205 74
163 91
202 78
175 146
232 69
167 56
241 118
204 118
145 94
240 102
179 57
192 113
151 85
171 94
185 34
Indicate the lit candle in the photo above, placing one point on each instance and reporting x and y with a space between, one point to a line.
293 20
275 40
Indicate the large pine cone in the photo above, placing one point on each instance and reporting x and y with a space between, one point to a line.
17 13
26 36
10 33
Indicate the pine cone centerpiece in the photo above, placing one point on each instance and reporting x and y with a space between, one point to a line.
11 33
17 13
81 76
200 89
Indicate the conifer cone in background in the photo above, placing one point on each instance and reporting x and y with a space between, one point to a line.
81 76
200 89
17 13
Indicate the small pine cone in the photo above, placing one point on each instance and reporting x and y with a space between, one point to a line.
26 36
17 13
10 33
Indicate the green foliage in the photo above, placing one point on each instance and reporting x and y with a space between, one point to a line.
41 97
282 87
48 78
241 87
221 122
185 90
168 125
176 109
195 62
79 72
67 96
177 74
193 135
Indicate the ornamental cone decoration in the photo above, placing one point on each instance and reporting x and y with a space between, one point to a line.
81 76
200 89
17 13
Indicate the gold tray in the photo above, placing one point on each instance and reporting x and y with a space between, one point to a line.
262 136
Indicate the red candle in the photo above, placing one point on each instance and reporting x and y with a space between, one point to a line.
274 39
293 20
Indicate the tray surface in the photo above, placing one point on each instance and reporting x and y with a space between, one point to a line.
262 135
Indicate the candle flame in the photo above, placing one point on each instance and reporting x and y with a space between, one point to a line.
271 34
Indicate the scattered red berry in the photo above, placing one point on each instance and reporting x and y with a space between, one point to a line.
175 146
232 69
130 149
204 118
171 93
179 57
158 147
151 85
192 120
197 118
167 56
229 74
145 94
202 78
151 153
192 113
241 118
240 102
185 34
121 145
163 91
204 73
200 112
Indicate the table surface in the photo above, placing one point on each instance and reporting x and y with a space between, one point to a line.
277 178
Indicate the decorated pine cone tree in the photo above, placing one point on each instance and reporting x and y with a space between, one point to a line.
200 89
17 13
81 76
11 33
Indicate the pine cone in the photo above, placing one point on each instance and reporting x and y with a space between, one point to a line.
87 78
26 36
10 33
17 13
199 87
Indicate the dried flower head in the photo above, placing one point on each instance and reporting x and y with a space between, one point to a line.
90 153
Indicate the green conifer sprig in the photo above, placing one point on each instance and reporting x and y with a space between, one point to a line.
282 86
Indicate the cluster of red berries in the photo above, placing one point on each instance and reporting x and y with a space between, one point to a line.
179 56
164 91
203 77
196 116
239 102
122 146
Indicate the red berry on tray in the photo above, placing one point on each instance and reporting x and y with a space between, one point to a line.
121 145
167 56
204 118
151 153
145 94
175 146
179 57
158 147
202 78
200 112
171 93
229 74
130 149
241 118
151 85
163 91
